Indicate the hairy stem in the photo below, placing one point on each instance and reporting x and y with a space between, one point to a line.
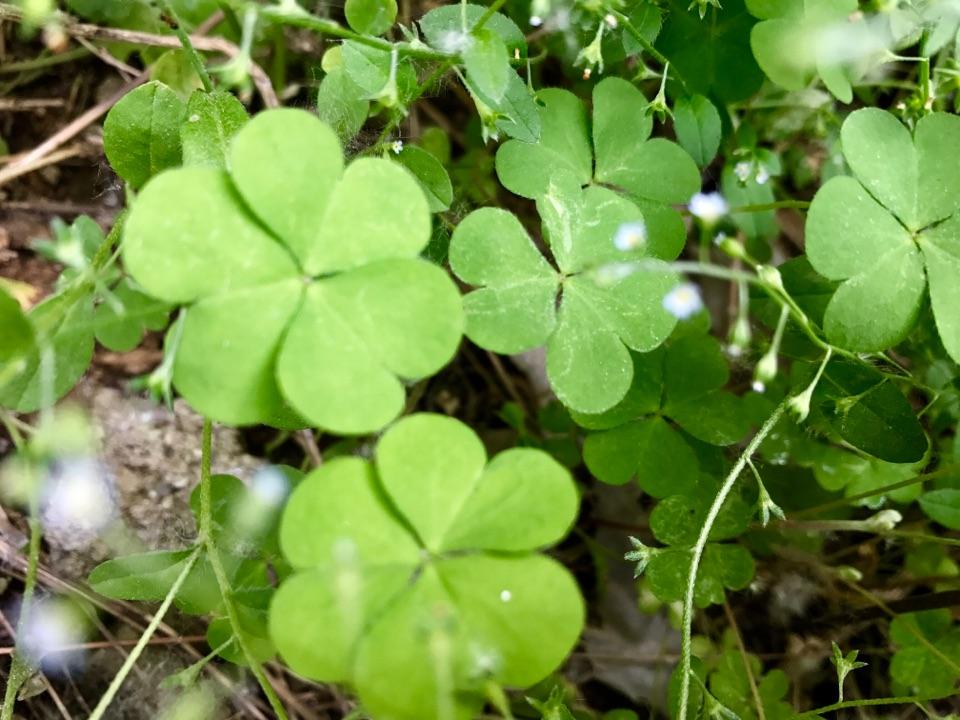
20 668
107 698
700 546
195 60
866 702
223 581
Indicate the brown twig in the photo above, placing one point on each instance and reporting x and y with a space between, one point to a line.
38 157
205 44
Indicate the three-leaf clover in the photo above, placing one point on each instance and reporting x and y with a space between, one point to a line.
589 310
679 385
614 150
791 43
302 279
890 231
417 579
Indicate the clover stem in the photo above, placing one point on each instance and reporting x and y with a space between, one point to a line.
648 47
778 205
223 581
195 60
108 696
866 702
700 546
20 668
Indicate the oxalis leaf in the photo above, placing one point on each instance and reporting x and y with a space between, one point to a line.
791 43
617 151
426 560
677 387
306 297
141 134
890 231
586 312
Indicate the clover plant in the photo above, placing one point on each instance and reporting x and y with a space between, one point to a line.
426 560
890 231
306 300
746 293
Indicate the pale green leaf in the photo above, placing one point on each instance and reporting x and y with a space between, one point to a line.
210 124
432 176
698 128
141 134
487 64
286 164
225 362
336 519
207 245
514 309
370 17
943 506
430 466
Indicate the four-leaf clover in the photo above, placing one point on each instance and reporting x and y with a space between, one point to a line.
307 299
416 577
890 231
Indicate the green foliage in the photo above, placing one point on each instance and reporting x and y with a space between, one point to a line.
679 386
141 135
372 17
698 127
928 659
212 120
712 54
426 560
318 302
903 202
943 506
789 43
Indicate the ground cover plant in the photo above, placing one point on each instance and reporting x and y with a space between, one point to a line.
560 359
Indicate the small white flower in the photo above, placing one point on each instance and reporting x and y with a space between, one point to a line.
742 170
611 20
536 21
763 175
758 386
77 502
630 236
612 273
683 301
884 521
53 625
397 147
709 207
270 486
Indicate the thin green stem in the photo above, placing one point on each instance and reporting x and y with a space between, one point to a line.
223 580
778 205
882 490
20 668
488 13
108 696
647 46
195 60
44 62
864 702
700 546
298 17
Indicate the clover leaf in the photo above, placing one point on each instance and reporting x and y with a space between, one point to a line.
425 560
676 386
926 668
788 49
616 151
586 320
890 231
724 566
305 293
